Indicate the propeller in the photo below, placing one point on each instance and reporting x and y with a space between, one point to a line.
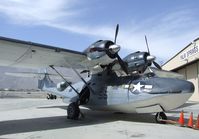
150 57
116 33
157 65
147 44
121 62
112 50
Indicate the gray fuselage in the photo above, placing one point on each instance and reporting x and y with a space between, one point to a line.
137 93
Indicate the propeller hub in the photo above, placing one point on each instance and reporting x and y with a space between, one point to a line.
114 48
150 58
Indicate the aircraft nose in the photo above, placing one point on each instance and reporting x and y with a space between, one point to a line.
173 86
181 86
187 87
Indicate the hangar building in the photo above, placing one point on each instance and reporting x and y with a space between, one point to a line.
186 62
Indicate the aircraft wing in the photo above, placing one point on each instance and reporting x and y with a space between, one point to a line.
17 53
36 75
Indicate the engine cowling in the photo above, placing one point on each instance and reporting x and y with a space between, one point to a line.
102 48
138 61
61 86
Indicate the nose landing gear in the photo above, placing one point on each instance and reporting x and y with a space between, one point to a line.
160 117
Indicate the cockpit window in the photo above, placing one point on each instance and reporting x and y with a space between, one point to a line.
163 73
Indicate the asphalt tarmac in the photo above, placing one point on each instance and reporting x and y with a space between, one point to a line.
46 119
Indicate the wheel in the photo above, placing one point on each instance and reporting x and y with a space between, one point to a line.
159 117
52 96
48 97
73 111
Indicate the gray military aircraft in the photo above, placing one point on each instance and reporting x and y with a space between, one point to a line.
127 85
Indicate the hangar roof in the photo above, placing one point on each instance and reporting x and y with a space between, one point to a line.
187 55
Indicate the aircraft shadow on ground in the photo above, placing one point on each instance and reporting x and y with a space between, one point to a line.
58 122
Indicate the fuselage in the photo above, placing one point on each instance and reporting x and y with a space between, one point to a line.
137 93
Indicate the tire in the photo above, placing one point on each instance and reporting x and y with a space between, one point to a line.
73 111
51 96
159 116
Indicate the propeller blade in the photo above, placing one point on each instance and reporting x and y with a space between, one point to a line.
151 58
116 33
147 44
157 65
122 64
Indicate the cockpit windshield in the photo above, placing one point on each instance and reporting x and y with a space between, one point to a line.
163 73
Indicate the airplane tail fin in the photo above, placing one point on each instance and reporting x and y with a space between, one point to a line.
46 82
43 78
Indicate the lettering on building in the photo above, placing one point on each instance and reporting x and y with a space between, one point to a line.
189 53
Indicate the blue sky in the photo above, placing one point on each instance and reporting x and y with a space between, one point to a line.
73 24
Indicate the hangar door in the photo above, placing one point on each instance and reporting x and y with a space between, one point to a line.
192 75
183 72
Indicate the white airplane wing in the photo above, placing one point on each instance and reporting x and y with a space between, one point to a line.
36 75
17 53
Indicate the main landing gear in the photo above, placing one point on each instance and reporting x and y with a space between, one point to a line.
160 117
73 111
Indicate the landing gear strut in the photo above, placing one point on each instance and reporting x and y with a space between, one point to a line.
73 110
160 117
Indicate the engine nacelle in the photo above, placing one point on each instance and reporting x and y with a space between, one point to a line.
61 86
137 62
102 48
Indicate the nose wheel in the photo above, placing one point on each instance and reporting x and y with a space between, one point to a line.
160 117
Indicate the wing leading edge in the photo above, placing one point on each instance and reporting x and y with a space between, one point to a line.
17 53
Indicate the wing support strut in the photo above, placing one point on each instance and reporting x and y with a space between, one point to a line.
64 79
83 80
